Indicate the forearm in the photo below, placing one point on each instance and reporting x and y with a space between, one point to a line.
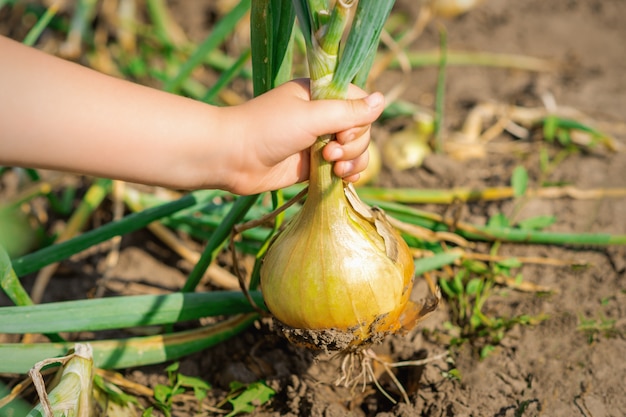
58 115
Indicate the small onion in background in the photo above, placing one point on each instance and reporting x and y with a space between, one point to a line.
409 147
452 8
373 167
18 236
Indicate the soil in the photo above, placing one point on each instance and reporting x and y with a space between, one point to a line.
551 367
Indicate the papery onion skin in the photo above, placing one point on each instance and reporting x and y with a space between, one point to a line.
330 271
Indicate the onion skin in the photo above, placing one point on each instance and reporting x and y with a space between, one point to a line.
334 271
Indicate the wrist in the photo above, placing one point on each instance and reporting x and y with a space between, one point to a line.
224 149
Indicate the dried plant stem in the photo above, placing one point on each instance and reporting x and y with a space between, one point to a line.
118 380
270 216
523 286
420 362
397 49
525 259
427 234
39 188
16 391
441 196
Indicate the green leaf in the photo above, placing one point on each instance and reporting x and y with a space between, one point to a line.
457 282
58 252
519 181
18 236
130 352
13 288
563 136
550 125
220 235
447 288
486 350
305 19
360 79
283 18
435 262
254 395
425 219
115 312
226 77
537 223
441 89
369 20
220 31
199 386
454 374
114 393
474 286
162 393
498 221
509 263
192 381
32 35
477 267
10 283
17 407
475 321
173 367
271 25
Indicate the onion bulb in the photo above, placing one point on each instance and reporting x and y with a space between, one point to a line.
18 235
338 277
406 149
452 8
373 168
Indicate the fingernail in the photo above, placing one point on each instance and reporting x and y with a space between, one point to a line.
335 154
348 166
374 100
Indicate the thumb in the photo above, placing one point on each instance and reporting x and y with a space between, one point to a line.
334 116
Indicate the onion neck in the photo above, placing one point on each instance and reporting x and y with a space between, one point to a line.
324 185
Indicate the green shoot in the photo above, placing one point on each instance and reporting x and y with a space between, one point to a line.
41 24
468 292
178 384
440 93
597 325
246 398
221 30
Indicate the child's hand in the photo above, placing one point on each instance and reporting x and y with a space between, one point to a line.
77 120
275 130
